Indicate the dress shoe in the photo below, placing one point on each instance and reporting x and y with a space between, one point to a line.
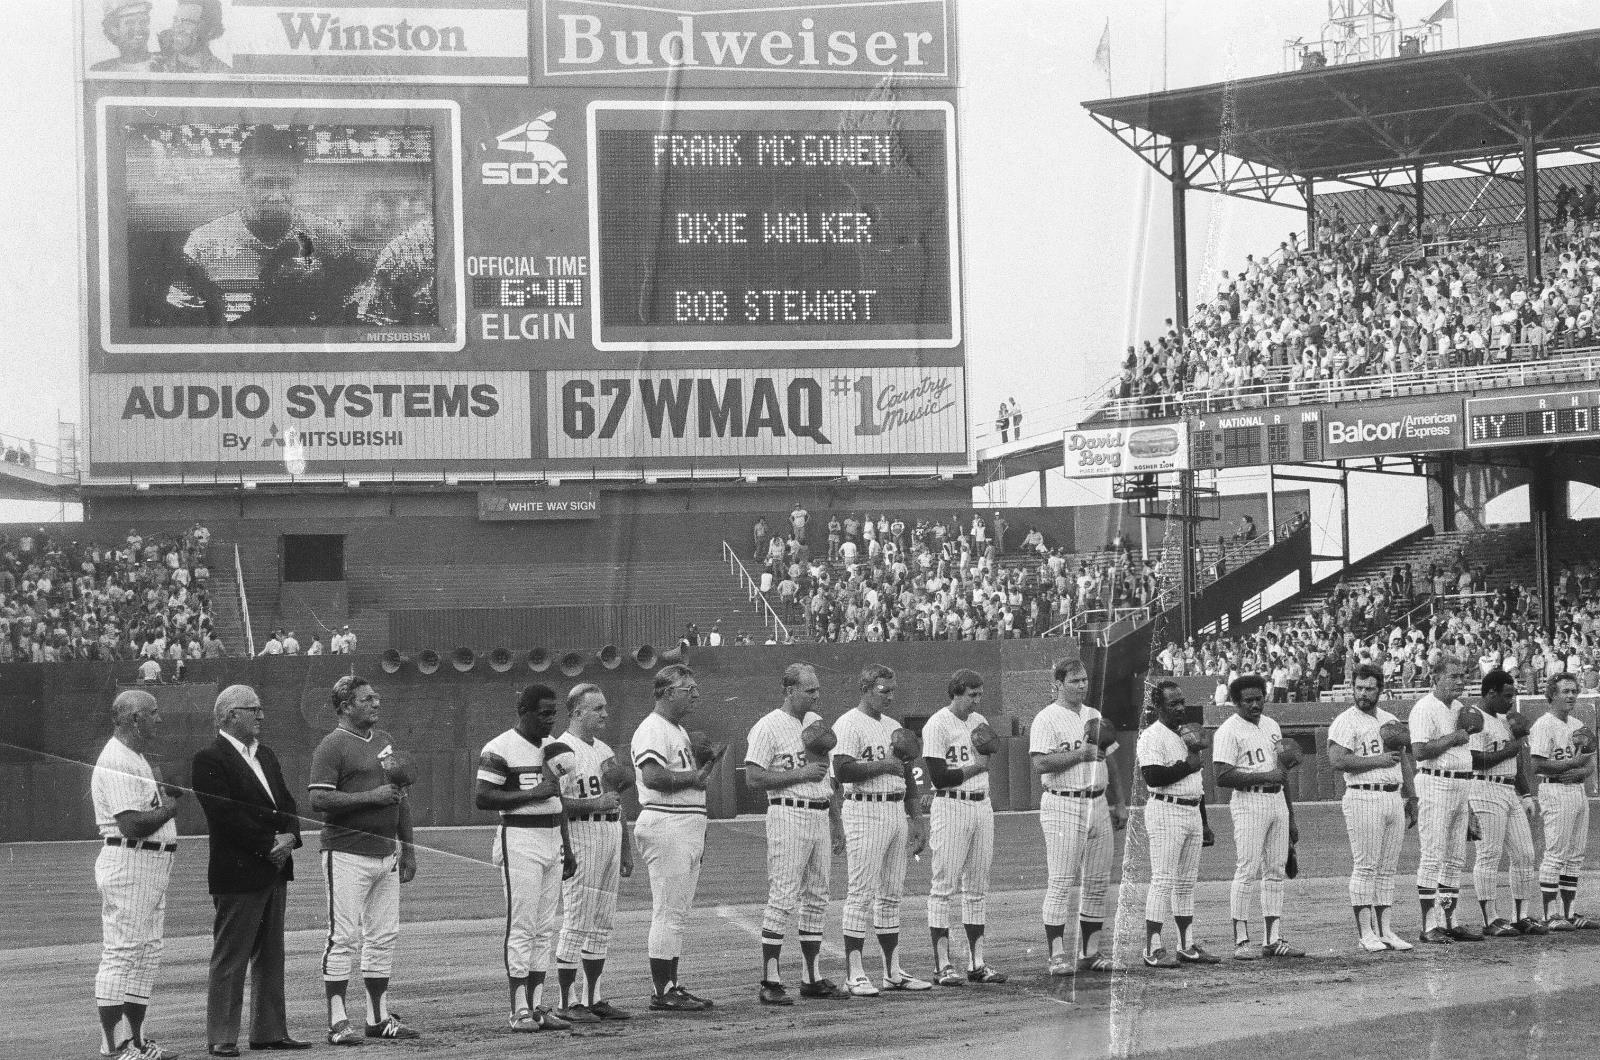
284 1043
223 1050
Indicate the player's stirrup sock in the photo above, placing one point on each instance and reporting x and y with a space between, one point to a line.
1486 908
1055 938
1361 920
661 975
1447 904
1425 898
135 1013
1185 931
974 945
1569 894
336 1011
941 946
593 968
1087 930
377 1002
811 951
535 989
566 979
1152 935
110 1017
1241 932
521 990
854 964
771 948
1548 895
889 943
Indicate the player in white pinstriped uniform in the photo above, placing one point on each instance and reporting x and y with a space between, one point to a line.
133 811
960 829
1245 752
1379 804
802 820
1079 809
671 831
882 825
516 778
1563 768
1496 799
603 844
1444 779
1171 770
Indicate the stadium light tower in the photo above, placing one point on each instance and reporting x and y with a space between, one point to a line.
1362 30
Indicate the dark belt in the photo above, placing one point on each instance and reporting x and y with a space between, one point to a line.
801 804
1077 793
141 844
965 796
593 817
1494 779
1159 797
876 796
1263 789
1448 774
532 820
1372 787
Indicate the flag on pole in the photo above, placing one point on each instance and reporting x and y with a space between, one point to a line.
1102 52
1446 10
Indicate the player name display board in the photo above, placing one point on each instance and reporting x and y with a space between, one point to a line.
522 239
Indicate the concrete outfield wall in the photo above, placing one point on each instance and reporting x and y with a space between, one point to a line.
55 718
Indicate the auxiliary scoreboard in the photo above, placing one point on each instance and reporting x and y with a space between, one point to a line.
1523 419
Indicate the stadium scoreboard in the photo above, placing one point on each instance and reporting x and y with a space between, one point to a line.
1522 419
543 238
1255 438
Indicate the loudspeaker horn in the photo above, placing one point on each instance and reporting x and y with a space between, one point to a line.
610 656
539 660
427 661
673 655
500 660
645 656
393 661
572 663
463 659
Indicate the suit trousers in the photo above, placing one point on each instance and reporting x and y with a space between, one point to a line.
247 935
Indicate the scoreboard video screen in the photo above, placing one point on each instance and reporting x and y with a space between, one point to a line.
769 224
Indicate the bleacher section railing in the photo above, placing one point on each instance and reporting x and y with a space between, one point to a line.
244 604
25 452
752 589
1573 365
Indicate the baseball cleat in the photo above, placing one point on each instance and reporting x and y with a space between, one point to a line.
1095 962
1395 942
907 981
1583 923
1197 954
1531 926
1373 944
1281 949
577 1014
985 974
549 1021
1464 933
1500 928
607 1011
675 1000
522 1021
773 994
861 986
118 1051
1558 923
1246 951
1160 959
152 1051
392 1029
1060 965
703 1002
824 990
1436 935
344 1033
947 976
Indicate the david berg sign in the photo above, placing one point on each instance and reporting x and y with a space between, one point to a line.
556 502
1379 430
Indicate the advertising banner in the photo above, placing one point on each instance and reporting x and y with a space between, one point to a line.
1387 428
783 229
563 502
1098 452
388 41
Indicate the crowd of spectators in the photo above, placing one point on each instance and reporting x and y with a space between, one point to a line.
876 577
15 454
1401 623
1373 298
146 598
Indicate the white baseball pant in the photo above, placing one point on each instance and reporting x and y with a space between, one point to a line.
363 912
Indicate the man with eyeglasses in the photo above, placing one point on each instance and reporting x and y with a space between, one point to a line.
254 828
1444 781
671 830
882 825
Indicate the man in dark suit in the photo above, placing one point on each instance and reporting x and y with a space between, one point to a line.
254 828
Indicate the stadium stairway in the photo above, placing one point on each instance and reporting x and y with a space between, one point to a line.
1418 550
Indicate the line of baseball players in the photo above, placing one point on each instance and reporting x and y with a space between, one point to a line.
865 785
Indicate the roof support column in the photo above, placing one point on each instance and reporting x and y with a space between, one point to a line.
1421 201
1308 192
1180 317
1530 206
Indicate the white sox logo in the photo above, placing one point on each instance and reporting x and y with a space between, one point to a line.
546 163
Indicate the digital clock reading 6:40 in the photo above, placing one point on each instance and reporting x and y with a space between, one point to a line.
1529 418
528 292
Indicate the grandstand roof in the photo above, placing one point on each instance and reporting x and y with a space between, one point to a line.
1359 122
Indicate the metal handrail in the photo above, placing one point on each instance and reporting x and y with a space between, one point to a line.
244 604
780 629
1581 364
41 456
